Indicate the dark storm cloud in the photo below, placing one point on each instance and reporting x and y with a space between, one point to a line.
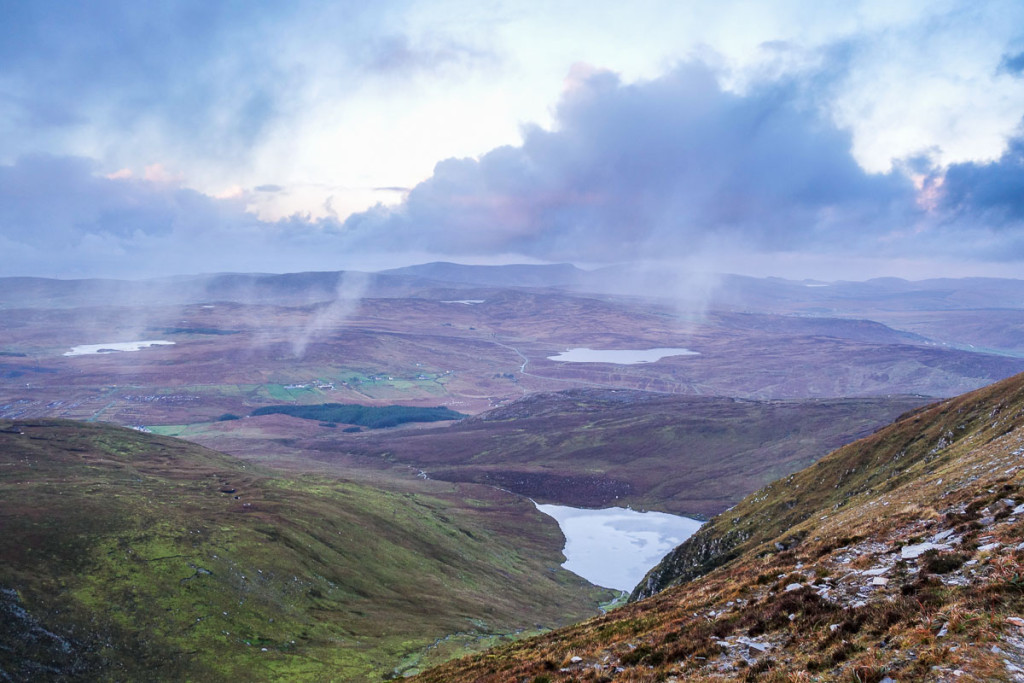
991 193
651 169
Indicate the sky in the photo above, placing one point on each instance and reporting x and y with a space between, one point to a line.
781 137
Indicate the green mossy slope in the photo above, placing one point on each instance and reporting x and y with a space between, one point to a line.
131 556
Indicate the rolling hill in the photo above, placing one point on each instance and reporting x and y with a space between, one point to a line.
899 556
130 556
597 447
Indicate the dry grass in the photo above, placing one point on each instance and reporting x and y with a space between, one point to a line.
955 469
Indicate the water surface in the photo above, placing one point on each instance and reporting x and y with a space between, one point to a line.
114 347
620 356
616 547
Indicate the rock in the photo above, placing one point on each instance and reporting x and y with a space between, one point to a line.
912 552
833 628
576 659
760 647
989 546
879 581
942 631
794 586
877 571
1016 621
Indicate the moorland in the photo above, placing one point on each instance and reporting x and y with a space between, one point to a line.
783 372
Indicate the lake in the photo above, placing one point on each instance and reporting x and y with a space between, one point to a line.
620 356
113 347
616 547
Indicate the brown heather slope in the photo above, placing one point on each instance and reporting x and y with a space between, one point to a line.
899 555
690 455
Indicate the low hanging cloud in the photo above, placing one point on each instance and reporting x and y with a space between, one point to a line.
58 217
635 170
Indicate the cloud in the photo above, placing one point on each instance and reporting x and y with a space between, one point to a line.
398 54
1012 64
190 80
677 168
654 169
58 217
981 205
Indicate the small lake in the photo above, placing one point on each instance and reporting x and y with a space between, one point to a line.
620 356
114 347
616 547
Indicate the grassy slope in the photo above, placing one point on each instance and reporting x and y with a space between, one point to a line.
133 556
593 448
953 469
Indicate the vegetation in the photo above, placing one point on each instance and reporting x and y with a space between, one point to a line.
131 556
197 330
596 448
825 575
374 417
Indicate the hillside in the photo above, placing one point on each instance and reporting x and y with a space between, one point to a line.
596 447
130 556
898 556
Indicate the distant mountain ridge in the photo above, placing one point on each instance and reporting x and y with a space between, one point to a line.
513 275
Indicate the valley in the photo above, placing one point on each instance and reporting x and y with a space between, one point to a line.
896 557
379 438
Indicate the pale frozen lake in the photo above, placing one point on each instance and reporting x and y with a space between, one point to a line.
616 547
111 347
620 356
